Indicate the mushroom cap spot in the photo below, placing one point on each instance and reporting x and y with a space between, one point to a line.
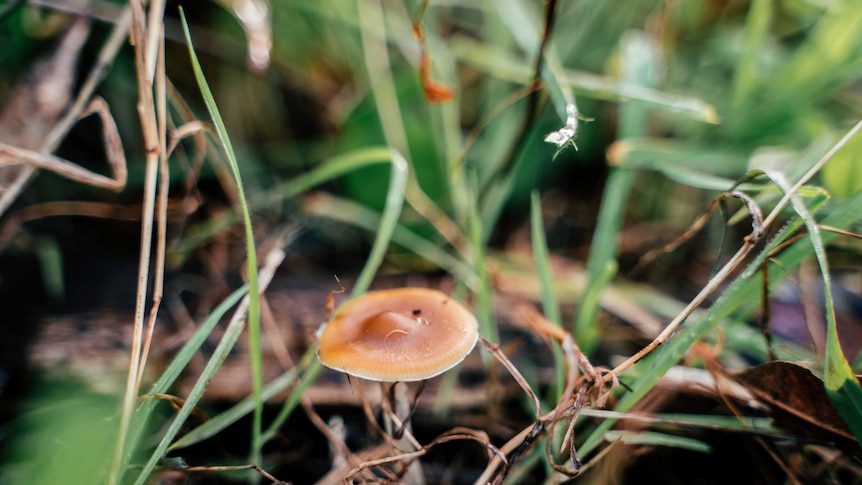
379 335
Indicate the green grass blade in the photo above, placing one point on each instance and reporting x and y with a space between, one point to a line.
842 387
335 167
221 421
141 416
586 328
668 155
502 65
737 294
542 259
652 438
746 77
545 275
331 169
485 294
225 345
251 266
638 69
388 222
349 212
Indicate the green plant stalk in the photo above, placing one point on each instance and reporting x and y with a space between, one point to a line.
550 305
385 229
225 345
485 295
217 423
735 295
251 266
388 222
142 413
841 384
746 75
329 170
637 54
550 308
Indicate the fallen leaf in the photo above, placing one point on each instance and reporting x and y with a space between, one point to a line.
797 400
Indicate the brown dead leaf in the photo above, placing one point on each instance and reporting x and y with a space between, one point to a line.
435 92
797 400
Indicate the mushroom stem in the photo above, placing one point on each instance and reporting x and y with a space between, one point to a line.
395 397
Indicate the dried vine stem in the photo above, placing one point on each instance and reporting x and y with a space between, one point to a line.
759 227
757 232
580 390
451 435
153 122
225 468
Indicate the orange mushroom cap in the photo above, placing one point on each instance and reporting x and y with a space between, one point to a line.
405 334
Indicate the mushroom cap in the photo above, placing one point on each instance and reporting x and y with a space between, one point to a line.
405 334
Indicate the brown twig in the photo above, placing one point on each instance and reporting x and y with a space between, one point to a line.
147 111
225 468
749 242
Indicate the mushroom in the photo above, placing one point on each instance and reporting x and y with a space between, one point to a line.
405 334
398 335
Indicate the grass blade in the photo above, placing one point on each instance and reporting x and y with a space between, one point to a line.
388 222
141 416
251 266
841 384
736 294
638 52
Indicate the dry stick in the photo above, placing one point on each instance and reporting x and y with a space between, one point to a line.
103 63
12 155
147 114
758 229
528 434
185 113
494 349
325 430
451 435
227 468
82 106
39 99
155 39
809 174
369 413
566 407
841 232
162 203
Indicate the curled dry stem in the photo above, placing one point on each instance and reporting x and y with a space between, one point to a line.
758 230
590 388
226 468
453 434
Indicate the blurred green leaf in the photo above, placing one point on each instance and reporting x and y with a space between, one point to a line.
843 174
652 438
